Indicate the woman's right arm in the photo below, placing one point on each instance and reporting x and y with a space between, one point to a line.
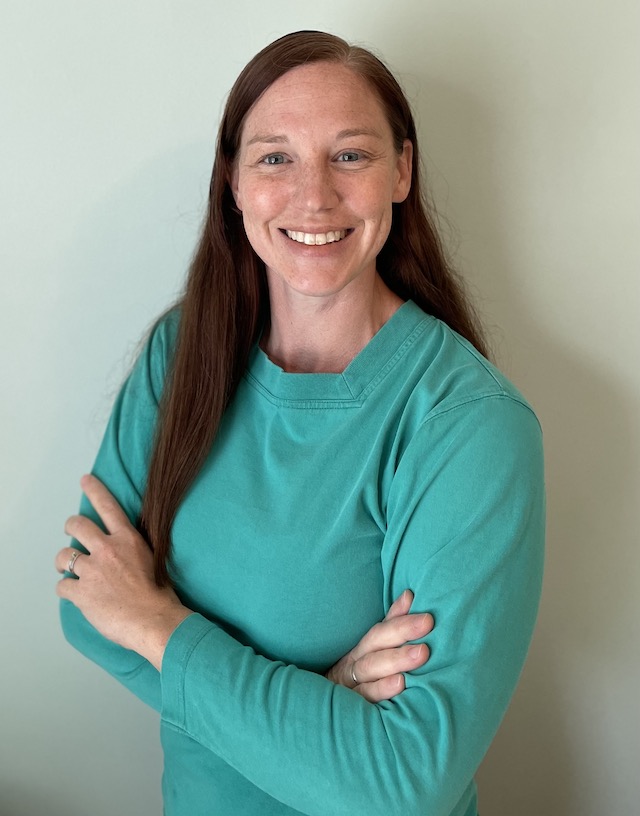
122 464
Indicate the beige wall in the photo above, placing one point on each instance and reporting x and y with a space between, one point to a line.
529 115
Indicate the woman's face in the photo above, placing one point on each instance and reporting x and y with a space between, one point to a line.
315 177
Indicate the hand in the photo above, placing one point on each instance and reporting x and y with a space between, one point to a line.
114 586
378 660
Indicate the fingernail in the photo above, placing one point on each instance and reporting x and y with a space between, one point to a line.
415 651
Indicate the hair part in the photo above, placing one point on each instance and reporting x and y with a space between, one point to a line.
226 300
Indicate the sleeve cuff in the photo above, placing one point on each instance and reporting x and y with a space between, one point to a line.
178 651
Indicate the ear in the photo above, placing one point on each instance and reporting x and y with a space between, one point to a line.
234 184
403 173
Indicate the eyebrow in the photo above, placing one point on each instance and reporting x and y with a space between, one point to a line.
273 139
349 133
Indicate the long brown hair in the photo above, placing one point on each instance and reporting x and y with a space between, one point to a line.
226 299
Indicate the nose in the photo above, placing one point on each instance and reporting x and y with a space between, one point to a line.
316 188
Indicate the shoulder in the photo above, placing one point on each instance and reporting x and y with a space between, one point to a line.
158 351
446 373
163 334
454 398
468 440
147 377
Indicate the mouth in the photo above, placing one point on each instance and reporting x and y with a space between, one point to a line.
317 238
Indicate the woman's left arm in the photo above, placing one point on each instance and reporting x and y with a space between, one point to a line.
465 533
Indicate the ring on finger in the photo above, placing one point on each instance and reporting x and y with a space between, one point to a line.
74 557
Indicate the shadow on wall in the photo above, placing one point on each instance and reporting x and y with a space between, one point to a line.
535 762
19 802
16 802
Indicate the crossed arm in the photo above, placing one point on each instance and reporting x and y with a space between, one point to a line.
469 547
113 587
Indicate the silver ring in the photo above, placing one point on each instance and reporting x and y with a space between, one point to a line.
72 561
353 675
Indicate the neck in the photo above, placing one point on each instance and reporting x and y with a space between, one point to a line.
322 335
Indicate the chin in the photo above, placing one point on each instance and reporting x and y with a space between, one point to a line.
317 288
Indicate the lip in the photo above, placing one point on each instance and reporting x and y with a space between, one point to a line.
317 230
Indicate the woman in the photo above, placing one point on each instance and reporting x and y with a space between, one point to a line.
313 431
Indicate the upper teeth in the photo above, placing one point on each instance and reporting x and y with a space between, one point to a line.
312 238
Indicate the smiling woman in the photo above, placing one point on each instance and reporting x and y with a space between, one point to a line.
310 462
318 211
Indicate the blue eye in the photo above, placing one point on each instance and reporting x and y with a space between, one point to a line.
349 156
274 158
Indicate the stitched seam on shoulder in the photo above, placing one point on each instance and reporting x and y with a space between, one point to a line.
502 394
477 356
174 727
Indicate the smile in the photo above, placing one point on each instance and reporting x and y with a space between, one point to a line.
317 238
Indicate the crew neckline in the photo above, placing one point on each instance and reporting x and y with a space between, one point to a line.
358 379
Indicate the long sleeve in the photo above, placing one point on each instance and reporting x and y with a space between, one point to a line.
121 464
465 531
323 498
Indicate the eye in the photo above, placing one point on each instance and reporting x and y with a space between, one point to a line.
349 156
274 158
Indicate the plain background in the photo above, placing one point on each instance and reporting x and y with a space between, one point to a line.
528 114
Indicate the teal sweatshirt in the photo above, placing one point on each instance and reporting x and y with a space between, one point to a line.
323 497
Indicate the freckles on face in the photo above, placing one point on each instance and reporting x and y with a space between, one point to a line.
315 178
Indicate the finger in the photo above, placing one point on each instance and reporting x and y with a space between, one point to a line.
63 560
104 503
389 634
375 666
66 588
401 605
84 530
385 689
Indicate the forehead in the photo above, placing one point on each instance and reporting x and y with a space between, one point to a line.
322 95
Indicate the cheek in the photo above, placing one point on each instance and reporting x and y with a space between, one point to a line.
378 198
379 214
262 200
261 208
380 210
